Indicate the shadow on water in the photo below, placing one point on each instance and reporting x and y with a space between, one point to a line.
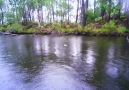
57 63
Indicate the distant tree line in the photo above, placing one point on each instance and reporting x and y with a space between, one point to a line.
15 11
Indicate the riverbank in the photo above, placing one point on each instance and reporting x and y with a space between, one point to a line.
62 34
96 29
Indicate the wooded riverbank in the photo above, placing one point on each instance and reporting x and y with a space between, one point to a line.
112 28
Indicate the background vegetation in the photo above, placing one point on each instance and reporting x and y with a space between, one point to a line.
56 16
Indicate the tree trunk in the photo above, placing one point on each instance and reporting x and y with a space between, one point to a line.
83 14
29 12
68 11
94 9
120 5
16 11
86 5
109 17
42 16
2 21
77 11
53 14
103 10
32 15
38 15
119 13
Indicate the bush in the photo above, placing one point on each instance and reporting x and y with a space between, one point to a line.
62 30
110 26
80 28
2 29
8 28
90 16
16 27
70 30
122 30
31 31
87 29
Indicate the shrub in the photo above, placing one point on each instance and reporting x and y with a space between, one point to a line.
31 31
70 30
16 27
2 29
62 30
122 30
8 28
87 29
110 26
80 28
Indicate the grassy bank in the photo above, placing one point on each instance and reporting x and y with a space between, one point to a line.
110 28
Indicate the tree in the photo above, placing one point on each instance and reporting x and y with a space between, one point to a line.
103 8
77 10
109 11
83 13
94 9
2 13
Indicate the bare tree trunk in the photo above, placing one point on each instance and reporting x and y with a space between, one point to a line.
86 5
94 9
53 14
38 15
109 17
77 11
24 17
2 21
42 16
83 14
29 14
32 15
16 11
120 5
68 11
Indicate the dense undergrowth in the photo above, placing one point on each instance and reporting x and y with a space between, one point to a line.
112 27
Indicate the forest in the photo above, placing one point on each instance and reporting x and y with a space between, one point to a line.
94 17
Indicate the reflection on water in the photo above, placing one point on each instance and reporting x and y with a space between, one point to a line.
60 63
75 45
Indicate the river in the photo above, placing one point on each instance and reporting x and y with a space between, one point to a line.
63 63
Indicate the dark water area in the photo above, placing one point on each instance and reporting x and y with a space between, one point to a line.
64 63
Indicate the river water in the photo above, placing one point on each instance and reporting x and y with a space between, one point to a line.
64 63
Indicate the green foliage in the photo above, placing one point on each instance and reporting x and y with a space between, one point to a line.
30 31
70 30
62 30
14 28
110 26
58 26
1 4
88 28
10 17
8 28
80 28
102 30
122 30
90 16
2 29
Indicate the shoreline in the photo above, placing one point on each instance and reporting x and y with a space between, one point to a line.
68 34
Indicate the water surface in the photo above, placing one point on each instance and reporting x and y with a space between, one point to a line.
64 63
